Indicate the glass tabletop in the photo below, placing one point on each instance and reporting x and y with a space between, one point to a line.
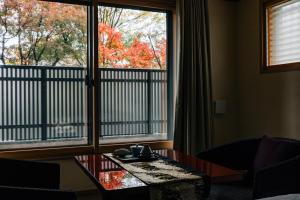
111 176
107 173
215 172
120 179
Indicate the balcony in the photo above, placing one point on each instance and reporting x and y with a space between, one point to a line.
48 105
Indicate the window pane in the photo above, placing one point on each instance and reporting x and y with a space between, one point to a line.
132 61
131 38
284 33
43 66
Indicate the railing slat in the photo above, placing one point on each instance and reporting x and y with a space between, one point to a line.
132 102
45 103
26 113
6 84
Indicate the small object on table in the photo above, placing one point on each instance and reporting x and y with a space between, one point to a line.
215 173
122 152
130 158
136 150
146 152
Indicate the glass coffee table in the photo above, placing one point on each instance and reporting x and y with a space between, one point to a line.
114 182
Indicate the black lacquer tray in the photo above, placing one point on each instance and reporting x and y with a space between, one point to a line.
131 158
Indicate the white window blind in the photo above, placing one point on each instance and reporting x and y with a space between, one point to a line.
283 33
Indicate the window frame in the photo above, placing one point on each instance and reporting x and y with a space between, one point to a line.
58 149
153 4
92 145
169 65
264 67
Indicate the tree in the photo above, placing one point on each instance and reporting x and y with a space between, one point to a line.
139 55
110 16
111 48
48 33
113 52
161 52
133 29
44 33
4 28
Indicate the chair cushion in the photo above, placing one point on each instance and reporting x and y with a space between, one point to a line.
275 150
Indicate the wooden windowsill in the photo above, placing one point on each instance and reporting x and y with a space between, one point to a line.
163 144
281 68
58 152
46 152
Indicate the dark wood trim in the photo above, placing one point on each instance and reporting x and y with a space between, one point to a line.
77 2
263 40
89 75
269 3
264 67
155 4
47 152
282 68
170 74
107 148
96 88
56 152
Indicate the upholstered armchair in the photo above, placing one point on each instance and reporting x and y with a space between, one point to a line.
272 164
31 180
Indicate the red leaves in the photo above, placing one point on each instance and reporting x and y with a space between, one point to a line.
112 180
111 49
49 32
139 55
114 53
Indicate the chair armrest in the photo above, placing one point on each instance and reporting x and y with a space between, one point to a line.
238 155
280 179
16 193
31 174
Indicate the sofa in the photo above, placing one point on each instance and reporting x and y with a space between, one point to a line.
272 165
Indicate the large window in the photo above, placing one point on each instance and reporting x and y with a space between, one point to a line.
52 51
281 33
133 73
43 64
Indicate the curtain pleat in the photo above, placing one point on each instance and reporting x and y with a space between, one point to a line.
193 114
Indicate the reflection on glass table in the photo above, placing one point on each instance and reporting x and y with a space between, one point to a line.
120 179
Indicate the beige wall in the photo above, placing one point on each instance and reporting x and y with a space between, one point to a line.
257 103
222 18
268 103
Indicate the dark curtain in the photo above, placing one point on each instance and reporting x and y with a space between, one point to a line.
193 118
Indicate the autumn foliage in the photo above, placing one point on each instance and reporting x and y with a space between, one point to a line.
114 53
112 180
49 33
139 54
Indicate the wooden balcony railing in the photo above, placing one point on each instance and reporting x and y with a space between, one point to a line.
50 103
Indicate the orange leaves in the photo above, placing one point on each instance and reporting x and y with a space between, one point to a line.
111 49
45 32
139 55
114 53
52 33
112 180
